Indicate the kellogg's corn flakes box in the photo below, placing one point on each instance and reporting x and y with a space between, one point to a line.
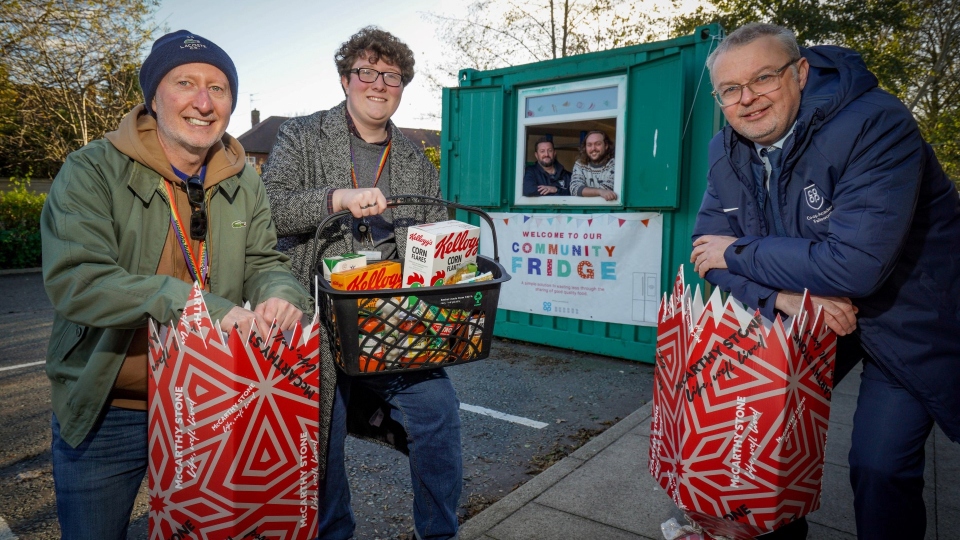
437 250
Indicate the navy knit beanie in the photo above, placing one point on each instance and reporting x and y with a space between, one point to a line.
179 48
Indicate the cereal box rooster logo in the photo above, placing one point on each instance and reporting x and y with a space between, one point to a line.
438 278
415 280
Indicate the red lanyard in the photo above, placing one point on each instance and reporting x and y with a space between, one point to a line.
383 162
199 267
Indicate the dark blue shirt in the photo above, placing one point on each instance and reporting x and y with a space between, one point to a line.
536 176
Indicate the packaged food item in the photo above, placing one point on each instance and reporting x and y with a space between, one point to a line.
342 263
468 340
442 321
372 363
466 271
414 340
381 275
486 276
391 309
436 250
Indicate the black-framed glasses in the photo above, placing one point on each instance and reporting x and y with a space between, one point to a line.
369 75
763 83
198 206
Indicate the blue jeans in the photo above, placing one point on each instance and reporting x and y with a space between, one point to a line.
97 482
890 428
426 405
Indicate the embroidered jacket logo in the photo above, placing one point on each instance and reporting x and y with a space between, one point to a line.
814 200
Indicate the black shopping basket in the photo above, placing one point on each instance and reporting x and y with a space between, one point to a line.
390 330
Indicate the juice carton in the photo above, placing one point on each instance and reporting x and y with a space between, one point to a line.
436 250
341 263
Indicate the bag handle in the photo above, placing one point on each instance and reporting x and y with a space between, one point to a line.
411 200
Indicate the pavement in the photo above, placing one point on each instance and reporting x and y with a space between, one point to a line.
604 490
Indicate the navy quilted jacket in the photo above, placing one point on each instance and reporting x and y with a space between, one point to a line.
868 213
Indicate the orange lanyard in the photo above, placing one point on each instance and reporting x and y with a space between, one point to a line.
383 162
199 267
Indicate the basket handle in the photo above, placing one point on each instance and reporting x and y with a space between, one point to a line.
410 200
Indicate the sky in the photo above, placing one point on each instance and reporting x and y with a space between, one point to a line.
283 49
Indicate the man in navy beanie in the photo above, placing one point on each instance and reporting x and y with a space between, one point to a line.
131 222
178 48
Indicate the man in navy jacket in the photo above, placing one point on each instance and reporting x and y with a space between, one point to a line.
547 176
821 181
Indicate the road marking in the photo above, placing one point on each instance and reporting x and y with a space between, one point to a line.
503 416
31 364
5 532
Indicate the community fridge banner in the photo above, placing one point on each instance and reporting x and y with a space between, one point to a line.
594 267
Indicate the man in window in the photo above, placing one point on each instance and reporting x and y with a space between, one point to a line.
593 171
547 176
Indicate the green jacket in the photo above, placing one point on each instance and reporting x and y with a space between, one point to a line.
103 226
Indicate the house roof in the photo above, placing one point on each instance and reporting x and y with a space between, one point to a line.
425 137
260 138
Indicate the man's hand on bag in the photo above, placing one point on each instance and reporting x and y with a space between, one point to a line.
285 313
360 202
244 319
838 312
708 253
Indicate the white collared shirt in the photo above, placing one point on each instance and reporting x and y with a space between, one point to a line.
778 144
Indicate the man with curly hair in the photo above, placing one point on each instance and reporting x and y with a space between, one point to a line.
352 157
593 171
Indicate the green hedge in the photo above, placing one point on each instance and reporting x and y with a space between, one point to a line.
20 226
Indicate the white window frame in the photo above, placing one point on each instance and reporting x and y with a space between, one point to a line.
619 114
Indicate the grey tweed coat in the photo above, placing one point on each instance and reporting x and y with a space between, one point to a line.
311 158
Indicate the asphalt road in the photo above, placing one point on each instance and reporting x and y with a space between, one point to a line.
576 395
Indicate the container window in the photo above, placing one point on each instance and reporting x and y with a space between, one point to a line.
576 127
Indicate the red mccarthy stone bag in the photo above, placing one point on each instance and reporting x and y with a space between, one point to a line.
740 412
233 428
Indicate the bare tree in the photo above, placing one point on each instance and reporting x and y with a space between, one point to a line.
500 33
71 66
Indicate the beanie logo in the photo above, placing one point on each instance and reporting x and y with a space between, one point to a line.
192 44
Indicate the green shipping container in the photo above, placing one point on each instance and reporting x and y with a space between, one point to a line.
651 96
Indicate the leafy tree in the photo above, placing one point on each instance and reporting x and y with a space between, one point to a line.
20 225
912 46
68 70
433 154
